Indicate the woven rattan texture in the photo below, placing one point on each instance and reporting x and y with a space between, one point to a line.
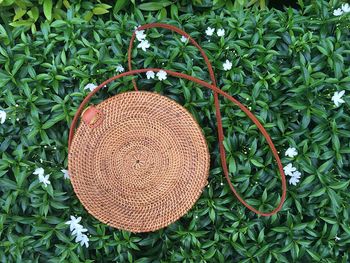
144 166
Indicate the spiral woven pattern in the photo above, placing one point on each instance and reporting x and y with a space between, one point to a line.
144 166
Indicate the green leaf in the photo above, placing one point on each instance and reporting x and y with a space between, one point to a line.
210 253
58 23
53 121
322 50
8 184
256 163
314 255
19 13
261 236
212 214
99 11
232 165
340 185
280 229
47 5
27 23
4 78
318 192
17 66
154 6
34 13
119 5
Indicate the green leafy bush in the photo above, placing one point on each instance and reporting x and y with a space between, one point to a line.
286 67
26 13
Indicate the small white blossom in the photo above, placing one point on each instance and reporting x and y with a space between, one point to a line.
227 65
83 239
296 174
140 35
78 230
289 169
150 74
73 222
44 179
39 171
291 152
345 8
2 116
337 98
65 174
294 180
183 39
90 86
337 238
220 32
144 44
209 31
119 68
162 75
338 12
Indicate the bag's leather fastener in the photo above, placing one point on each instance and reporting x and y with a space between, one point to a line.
92 116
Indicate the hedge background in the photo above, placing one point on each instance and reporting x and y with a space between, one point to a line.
286 66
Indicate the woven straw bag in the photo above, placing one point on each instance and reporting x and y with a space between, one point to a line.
139 161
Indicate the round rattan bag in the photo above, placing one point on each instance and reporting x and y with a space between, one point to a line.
138 161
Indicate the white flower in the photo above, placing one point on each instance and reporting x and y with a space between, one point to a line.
220 32
44 179
83 239
291 152
39 171
78 230
162 75
73 222
296 174
345 8
150 74
338 12
294 180
337 98
337 238
144 44
210 31
2 116
289 169
227 65
119 68
90 86
140 35
65 174
183 39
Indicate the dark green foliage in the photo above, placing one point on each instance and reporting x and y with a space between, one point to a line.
286 67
